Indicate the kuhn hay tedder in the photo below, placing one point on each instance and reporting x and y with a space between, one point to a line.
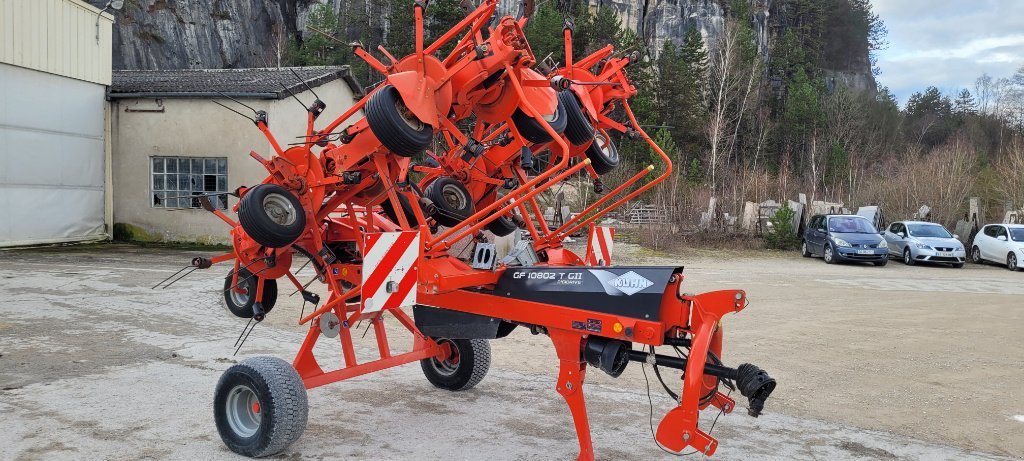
344 199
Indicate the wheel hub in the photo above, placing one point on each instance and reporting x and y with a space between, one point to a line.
279 209
243 411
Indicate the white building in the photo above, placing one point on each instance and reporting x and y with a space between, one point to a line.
171 140
55 58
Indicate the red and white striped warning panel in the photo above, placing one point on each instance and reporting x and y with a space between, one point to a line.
600 246
390 263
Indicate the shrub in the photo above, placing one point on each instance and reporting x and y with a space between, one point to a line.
781 235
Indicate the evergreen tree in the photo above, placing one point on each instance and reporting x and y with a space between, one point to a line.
965 104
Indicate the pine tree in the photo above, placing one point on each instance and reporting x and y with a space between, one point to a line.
965 104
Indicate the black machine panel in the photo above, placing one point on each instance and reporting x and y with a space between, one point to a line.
628 291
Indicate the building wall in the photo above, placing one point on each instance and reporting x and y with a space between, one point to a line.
144 128
57 37
53 73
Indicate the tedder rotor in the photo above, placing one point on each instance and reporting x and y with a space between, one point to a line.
345 200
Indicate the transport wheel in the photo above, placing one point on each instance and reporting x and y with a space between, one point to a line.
1011 262
829 254
464 368
881 263
976 255
394 125
907 258
804 251
260 406
271 215
240 302
957 265
533 131
603 154
578 129
451 199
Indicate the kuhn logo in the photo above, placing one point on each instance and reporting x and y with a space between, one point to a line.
630 283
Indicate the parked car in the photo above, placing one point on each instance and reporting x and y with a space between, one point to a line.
841 238
917 241
1000 243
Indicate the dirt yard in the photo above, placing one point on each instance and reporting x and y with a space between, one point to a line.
872 363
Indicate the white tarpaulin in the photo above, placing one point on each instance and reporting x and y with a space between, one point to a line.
51 158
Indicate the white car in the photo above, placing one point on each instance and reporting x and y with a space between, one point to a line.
1001 243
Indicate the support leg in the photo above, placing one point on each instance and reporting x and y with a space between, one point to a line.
572 371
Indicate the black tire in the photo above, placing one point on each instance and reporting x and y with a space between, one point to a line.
604 158
240 304
804 251
976 255
389 210
957 265
271 215
502 226
578 129
881 263
394 126
465 368
828 253
260 406
533 131
908 259
1011 262
451 199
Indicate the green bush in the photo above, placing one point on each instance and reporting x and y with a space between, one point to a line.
781 235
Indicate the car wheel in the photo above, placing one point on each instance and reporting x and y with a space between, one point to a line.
1011 262
957 265
882 263
908 259
829 254
804 251
976 255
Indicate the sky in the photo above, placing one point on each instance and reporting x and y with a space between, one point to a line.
949 43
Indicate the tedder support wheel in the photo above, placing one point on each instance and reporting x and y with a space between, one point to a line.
241 298
271 215
502 226
464 368
394 125
451 199
578 129
389 210
603 154
260 406
533 131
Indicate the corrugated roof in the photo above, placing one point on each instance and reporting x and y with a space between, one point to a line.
245 83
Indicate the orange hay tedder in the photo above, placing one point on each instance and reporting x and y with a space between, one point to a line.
343 198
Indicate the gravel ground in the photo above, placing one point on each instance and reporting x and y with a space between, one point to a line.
873 363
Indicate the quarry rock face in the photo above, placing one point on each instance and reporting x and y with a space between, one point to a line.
172 34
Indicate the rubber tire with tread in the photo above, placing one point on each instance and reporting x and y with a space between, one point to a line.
284 408
976 255
957 265
533 131
825 251
246 280
391 129
447 215
578 129
389 210
603 162
502 226
908 259
1011 262
881 263
804 251
474 361
257 224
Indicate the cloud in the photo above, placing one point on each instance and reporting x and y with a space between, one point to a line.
949 43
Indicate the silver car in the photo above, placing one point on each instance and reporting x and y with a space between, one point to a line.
916 241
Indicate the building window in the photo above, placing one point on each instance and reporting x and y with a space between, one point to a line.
174 179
